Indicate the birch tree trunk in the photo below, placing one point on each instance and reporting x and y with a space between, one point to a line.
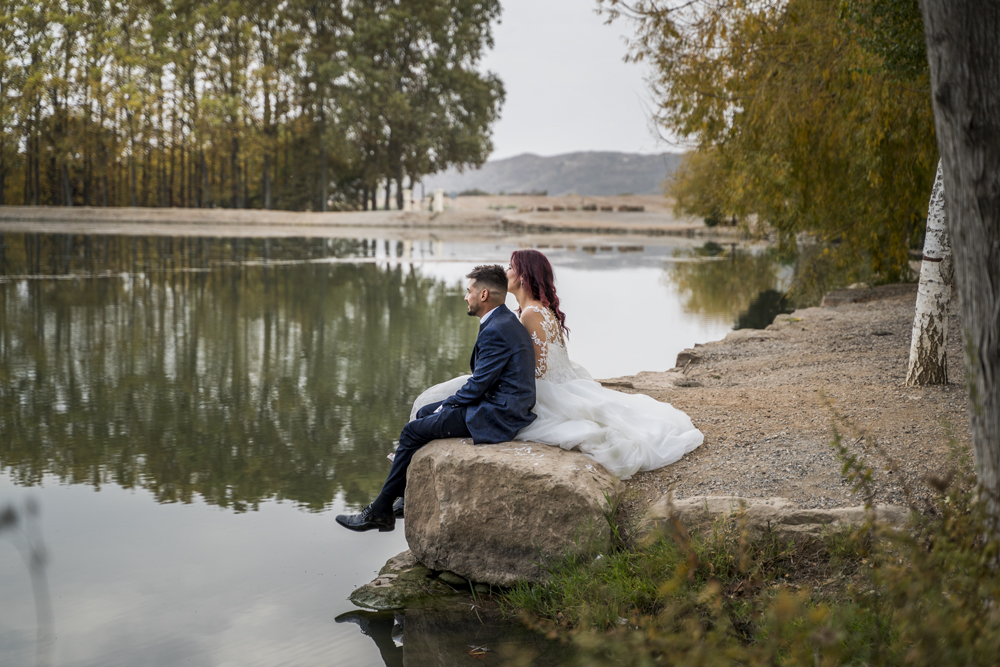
928 344
964 59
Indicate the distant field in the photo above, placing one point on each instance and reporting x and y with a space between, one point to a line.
524 203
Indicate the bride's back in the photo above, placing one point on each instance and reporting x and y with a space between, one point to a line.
552 361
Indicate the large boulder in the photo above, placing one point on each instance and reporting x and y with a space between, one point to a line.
492 513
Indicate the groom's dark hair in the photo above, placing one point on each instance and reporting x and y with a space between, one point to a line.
492 277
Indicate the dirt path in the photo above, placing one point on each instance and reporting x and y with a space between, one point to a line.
766 400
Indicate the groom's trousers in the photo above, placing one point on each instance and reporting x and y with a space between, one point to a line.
449 423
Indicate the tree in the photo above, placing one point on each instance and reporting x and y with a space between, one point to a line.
928 343
796 124
965 83
418 101
293 104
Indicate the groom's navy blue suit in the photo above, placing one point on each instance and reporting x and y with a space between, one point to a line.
492 406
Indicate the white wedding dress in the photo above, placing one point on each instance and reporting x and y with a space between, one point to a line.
625 433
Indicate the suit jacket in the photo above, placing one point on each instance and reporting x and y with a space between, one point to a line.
499 396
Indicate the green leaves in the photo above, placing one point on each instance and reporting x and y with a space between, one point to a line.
290 105
806 119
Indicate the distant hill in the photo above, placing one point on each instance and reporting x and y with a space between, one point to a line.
586 173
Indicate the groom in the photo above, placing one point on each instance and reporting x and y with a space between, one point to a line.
492 406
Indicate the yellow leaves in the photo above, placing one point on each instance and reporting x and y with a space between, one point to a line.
795 125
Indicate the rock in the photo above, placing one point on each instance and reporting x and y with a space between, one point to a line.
687 358
402 582
788 521
746 335
490 513
617 384
453 579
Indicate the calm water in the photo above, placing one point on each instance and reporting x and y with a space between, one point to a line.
188 414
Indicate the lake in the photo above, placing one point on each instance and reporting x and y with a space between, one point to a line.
188 414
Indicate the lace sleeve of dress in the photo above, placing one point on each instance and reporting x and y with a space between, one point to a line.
543 332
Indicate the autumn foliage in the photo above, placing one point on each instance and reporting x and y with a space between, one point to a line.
805 115
292 105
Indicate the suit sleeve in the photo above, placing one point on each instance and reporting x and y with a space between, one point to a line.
493 356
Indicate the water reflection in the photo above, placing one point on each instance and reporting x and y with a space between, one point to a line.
418 637
239 384
730 283
207 372
385 629
763 309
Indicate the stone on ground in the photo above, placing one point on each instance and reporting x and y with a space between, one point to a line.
492 513
785 519
401 583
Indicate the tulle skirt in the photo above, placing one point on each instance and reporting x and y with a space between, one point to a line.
625 433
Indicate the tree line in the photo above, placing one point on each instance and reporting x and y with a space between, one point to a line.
274 104
812 116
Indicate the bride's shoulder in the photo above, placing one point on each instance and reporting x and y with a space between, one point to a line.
533 318
540 321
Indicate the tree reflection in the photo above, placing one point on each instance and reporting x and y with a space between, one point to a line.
725 283
240 383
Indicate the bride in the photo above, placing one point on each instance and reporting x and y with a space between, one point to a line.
625 433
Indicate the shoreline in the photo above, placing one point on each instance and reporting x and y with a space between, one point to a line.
768 402
464 222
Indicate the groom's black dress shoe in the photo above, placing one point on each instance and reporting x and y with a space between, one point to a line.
398 507
367 520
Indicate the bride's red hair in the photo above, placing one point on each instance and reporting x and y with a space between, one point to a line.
535 272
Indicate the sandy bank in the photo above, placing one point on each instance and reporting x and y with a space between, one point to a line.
248 222
766 401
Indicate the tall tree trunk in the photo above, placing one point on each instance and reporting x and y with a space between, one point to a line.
88 184
170 179
147 173
234 170
265 186
183 178
131 164
928 344
399 186
3 174
27 170
965 85
3 160
36 171
206 186
67 187
324 181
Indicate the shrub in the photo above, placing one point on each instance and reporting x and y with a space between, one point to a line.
924 594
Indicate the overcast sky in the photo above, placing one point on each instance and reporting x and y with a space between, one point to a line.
567 87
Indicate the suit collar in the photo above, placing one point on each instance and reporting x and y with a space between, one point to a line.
491 315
